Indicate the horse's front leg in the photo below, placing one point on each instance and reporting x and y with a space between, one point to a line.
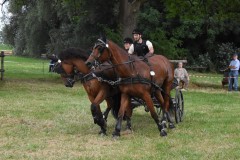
128 115
97 114
125 100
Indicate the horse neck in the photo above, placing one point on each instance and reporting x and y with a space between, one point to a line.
81 66
118 58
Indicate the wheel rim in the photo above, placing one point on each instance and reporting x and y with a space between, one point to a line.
181 106
177 112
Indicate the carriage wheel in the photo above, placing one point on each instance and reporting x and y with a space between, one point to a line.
179 106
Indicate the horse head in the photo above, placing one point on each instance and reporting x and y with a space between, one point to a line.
100 52
72 65
66 70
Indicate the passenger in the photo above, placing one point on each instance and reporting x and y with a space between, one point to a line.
140 47
182 76
127 42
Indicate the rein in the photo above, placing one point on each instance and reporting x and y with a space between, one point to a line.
133 60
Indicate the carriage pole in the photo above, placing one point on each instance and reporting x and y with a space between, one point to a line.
2 64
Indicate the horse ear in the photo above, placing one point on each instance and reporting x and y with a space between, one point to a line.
103 37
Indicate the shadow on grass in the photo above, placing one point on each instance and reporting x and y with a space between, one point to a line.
207 85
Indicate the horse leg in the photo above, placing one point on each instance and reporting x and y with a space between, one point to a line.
167 89
160 99
128 115
108 109
147 98
125 100
98 118
97 114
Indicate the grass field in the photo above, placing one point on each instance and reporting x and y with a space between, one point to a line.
42 119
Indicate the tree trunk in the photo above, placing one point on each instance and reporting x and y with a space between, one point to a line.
128 11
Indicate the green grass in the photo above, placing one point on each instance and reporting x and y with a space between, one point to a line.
26 68
42 119
5 47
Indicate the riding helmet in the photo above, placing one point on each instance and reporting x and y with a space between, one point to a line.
137 31
128 40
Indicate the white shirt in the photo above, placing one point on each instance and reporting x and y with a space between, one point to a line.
131 49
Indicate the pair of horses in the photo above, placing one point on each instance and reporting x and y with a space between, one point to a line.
72 66
144 78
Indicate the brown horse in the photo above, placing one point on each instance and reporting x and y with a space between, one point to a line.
73 58
140 77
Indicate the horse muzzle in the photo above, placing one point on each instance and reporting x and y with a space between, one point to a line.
70 82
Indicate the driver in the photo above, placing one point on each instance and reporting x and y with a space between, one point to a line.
140 47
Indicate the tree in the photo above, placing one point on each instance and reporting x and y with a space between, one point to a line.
128 12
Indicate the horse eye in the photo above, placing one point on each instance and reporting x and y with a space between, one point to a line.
101 49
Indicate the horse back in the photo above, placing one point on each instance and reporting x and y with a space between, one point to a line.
162 65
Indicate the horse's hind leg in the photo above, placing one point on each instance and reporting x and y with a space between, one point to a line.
159 97
108 109
166 96
149 103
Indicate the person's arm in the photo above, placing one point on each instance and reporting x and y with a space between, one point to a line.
131 49
175 73
232 65
186 74
150 47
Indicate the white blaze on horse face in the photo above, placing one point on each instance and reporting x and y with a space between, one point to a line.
107 45
152 73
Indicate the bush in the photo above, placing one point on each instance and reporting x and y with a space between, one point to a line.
224 53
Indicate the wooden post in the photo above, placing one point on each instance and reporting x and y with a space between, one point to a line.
2 64
177 61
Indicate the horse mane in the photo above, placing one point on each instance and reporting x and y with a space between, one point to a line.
117 46
70 53
123 51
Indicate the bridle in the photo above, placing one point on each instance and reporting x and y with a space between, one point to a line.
70 78
101 46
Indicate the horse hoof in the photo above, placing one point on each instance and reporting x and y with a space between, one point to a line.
163 133
171 126
102 133
116 135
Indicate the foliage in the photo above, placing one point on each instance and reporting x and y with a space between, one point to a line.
224 55
178 29
5 47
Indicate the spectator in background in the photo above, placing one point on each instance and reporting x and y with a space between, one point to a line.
233 74
181 75
53 59
127 42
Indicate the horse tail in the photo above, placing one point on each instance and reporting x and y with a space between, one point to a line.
116 104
